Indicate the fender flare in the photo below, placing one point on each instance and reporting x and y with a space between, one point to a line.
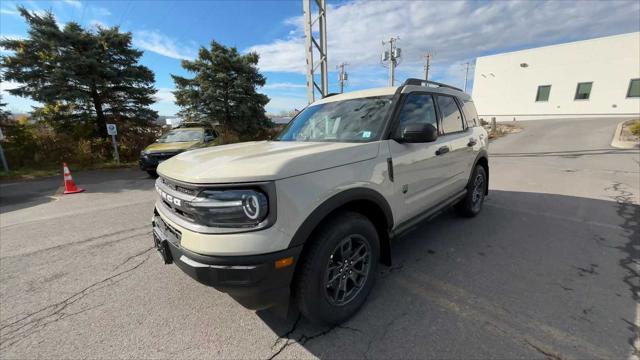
336 201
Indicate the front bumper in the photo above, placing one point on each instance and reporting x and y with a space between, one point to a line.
252 280
150 161
147 163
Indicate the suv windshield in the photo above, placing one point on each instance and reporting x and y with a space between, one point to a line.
181 136
355 120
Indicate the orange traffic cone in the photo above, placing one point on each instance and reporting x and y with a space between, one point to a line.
69 185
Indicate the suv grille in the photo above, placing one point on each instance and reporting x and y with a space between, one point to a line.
162 155
179 188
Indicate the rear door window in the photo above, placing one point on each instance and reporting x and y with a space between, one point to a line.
451 115
472 114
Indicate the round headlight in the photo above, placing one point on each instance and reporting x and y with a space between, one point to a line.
229 208
251 207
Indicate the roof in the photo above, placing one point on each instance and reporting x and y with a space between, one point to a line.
585 42
359 94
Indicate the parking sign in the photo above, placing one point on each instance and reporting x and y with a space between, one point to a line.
111 129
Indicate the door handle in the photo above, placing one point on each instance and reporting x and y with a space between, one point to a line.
472 142
442 150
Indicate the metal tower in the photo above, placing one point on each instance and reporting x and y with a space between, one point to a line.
320 46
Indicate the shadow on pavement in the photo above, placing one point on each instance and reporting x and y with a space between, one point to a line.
535 275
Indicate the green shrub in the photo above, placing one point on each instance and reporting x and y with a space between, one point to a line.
40 146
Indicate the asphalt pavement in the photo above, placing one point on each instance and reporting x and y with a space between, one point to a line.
549 269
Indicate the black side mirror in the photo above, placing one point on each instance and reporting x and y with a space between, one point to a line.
418 133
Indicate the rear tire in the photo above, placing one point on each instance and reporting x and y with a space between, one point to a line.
152 173
471 204
339 269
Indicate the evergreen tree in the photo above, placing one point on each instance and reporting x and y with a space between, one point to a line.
223 90
92 75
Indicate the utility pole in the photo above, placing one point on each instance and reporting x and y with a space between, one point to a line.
320 46
343 76
392 56
466 75
427 66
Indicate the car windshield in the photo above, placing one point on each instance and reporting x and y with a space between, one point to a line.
355 120
181 136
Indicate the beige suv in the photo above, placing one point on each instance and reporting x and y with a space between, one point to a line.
308 217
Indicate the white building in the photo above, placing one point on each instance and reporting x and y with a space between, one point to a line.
591 78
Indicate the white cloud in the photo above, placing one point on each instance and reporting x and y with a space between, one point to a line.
457 31
165 95
284 85
100 11
8 85
278 104
282 55
75 3
7 11
97 23
13 37
161 44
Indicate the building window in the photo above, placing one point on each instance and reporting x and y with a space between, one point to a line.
583 91
634 88
543 93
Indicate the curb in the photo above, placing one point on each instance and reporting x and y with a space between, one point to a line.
617 143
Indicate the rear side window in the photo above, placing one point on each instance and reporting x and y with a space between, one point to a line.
472 114
451 116
418 109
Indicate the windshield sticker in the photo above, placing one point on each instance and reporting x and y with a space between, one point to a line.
366 134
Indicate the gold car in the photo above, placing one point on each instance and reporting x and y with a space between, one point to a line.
174 142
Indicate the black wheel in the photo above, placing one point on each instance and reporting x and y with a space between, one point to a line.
471 204
152 173
339 269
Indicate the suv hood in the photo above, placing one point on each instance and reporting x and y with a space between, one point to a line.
263 160
174 146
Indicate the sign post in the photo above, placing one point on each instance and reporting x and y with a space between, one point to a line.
4 160
113 131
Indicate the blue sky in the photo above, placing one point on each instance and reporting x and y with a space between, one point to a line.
455 31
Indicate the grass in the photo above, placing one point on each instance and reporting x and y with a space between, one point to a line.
634 128
502 130
28 173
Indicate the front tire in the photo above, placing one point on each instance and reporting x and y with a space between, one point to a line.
339 269
152 174
471 204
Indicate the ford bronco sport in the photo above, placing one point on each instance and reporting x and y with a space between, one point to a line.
184 137
308 217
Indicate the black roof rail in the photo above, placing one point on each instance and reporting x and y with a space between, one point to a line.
420 82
